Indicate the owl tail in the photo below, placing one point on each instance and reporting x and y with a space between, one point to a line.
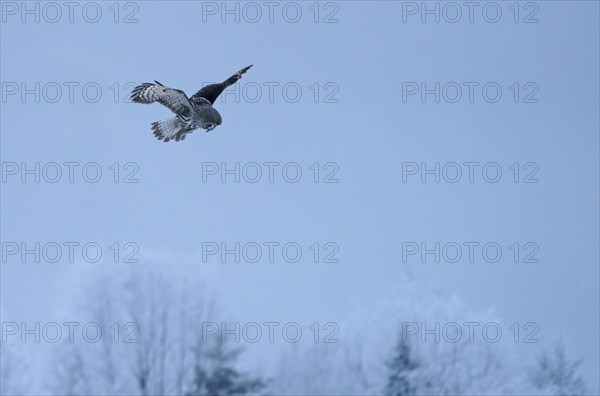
168 129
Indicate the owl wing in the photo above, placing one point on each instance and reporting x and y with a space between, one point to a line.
175 99
211 92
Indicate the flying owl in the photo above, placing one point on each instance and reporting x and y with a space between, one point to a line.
190 113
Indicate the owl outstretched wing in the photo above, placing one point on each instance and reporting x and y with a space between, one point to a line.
211 92
175 99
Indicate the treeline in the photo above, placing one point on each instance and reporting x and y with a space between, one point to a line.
164 314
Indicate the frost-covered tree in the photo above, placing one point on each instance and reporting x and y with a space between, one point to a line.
322 369
71 372
150 323
215 372
12 369
171 357
369 359
401 367
557 374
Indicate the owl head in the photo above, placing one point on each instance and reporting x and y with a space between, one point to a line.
211 119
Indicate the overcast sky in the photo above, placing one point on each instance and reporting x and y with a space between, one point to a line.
372 100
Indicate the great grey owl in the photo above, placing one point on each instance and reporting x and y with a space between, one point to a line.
190 113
